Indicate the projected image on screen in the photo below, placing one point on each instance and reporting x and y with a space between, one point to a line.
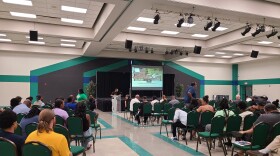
147 78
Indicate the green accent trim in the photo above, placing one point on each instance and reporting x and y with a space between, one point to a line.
34 90
259 81
235 80
185 70
61 65
217 82
178 145
14 78
105 124
113 66
135 147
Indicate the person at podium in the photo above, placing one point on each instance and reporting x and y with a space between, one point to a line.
116 100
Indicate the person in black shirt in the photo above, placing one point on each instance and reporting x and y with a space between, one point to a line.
8 124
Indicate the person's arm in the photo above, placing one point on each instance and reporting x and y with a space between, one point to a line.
199 109
249 131
88 119
176 116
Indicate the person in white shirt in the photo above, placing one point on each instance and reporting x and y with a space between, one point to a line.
135 100
155 100
179 120
23 107
39 101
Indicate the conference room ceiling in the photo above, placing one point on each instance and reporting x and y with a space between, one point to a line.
106 24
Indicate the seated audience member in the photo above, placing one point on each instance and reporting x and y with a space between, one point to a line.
173 100
8 124
155 100
29 98
92 107
132 101
237 99
242 107
58 110
259 109
204 105
193 104
31 117
14 102
81 95
19 99
271 117
276 103
71 103
45 134
23 107
126 101
179 120
81 112
273 148
141 112
163 99
39 101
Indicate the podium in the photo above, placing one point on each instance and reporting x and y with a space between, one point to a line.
116 103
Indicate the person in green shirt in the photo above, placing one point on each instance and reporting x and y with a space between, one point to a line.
81 95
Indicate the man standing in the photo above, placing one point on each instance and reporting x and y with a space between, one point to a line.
190 93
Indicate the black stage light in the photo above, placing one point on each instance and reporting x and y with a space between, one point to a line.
262 28
247 29
273 33
180 22
216 25
258 30
187 54
181 53
152 50
208 25
129 50
146 50
190 19
278 37
166 52
135 49
156 19
254 54
33 35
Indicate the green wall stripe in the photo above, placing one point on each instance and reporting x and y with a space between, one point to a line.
61 65
185 70
113 66
259 81
14 78
235 80
217 82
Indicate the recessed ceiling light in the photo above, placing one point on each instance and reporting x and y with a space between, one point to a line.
226 56
136 28
199 35
265 42
238 54
220 53
19 2
3 35
145 19
170 32
209 55
40 38
36 42
5 40
220 28
67 45
65 40
73 9
19 14
68 20
186 25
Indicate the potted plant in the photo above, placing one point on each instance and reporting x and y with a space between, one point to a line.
178 89
91 89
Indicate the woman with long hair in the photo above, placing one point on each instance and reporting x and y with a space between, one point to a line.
31 117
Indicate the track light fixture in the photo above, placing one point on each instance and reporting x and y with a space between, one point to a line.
190 19
208 25
156 18
180 22
135 49
258 30
247 29
166 52
273 33
146 50
216 25
152 50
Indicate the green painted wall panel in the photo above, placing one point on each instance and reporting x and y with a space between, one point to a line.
217 82
14 78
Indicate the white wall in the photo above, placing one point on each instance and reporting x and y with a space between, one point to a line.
212 71
22 64
262 69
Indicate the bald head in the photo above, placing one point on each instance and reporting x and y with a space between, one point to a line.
27 102
237 97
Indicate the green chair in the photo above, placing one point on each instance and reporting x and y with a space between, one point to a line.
275 131
157 112
7 147
94 123
127 110
212 102
258 140
18 131
135 109
59 120
169 120
166 108
29 128
217 126
233 124
19 117
36 148
206 118
75 150
248 121
70 112
147 110
75 127
187 110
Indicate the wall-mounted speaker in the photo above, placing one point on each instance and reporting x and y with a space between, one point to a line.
33 35
128 44
197 49
254 54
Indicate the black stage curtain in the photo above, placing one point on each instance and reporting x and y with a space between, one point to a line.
108 81
168 84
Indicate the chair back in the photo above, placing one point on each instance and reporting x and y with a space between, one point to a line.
171 113
7 147
7 108
92 116
248 121
233 123
147 108
217 124
18 131
59 120
135 107
64 131
75 125
206 117
275 131
193 119
19 117
158 108
260 134
166 107
29 128
70 112
128 106
212 102
36 148
187 110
